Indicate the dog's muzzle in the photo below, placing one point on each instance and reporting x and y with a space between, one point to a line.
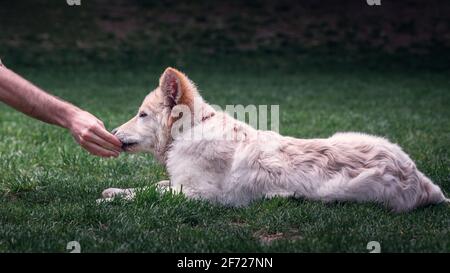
126 144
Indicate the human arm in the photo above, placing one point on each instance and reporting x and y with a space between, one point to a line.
29 99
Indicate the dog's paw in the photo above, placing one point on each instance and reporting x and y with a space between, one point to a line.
112 192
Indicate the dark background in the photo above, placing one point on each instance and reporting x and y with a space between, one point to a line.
135 30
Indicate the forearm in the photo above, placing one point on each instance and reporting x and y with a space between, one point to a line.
87 130
31 100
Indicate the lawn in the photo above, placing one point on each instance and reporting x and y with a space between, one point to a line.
48 184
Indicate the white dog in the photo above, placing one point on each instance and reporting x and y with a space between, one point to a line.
253 164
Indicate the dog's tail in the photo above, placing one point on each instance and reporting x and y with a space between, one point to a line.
431 193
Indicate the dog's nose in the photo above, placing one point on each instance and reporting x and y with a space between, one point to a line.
114 131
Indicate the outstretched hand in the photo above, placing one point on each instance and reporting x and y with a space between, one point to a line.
91 134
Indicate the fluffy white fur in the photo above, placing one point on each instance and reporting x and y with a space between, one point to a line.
253 164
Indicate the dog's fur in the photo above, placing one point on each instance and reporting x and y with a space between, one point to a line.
256 164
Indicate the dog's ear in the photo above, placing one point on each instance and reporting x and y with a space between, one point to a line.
176 88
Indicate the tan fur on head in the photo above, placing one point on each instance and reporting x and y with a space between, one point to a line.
176 86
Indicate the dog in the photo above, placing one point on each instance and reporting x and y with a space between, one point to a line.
254 164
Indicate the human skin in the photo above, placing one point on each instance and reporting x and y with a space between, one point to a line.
87 130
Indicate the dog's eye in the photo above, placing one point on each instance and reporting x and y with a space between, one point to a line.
142 114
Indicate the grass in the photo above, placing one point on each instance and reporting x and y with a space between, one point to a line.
48 185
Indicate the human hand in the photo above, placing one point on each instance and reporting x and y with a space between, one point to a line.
91 134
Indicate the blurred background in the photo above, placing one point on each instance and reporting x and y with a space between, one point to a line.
130 31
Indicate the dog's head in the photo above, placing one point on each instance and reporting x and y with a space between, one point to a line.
149 130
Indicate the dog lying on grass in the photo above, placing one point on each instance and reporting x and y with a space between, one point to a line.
233 164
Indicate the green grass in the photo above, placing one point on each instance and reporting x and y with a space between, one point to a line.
48 184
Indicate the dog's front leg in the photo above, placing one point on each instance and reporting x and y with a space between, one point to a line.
115 192
129 194
111 193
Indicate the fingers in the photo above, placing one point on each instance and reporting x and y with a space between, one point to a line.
91 134
89 139
97 150
92 137
108 137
